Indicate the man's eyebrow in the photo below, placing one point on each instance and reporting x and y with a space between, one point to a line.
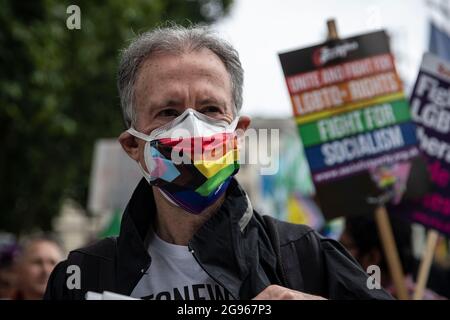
206 101
169 102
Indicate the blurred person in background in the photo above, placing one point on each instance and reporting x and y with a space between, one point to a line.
8 274
39 255
360 237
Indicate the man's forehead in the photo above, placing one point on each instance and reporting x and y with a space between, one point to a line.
173 75
172 66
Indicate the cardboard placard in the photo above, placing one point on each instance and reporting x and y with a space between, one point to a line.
430 109
352 118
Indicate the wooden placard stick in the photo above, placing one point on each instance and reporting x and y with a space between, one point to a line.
391 253
425 264
332 30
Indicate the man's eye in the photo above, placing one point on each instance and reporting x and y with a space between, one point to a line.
168 113
210 109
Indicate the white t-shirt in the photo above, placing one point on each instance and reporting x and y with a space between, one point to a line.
174 274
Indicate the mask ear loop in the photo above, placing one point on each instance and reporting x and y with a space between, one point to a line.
165 195
232 126
138 134
146 138
144 173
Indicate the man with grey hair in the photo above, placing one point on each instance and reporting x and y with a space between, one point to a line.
189 230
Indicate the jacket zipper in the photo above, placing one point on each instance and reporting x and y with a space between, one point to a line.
211 276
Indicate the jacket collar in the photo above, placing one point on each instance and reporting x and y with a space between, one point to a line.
222 245
132 256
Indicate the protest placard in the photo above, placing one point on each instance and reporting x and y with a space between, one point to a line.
430 110
352 117
354 121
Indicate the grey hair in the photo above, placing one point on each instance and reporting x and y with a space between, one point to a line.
174 39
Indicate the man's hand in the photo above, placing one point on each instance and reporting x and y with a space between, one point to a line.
274 292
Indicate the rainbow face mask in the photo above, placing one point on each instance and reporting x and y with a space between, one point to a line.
191 159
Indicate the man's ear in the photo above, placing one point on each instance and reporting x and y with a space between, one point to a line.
130 145
243 123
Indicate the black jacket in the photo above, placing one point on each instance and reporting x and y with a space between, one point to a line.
241 250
